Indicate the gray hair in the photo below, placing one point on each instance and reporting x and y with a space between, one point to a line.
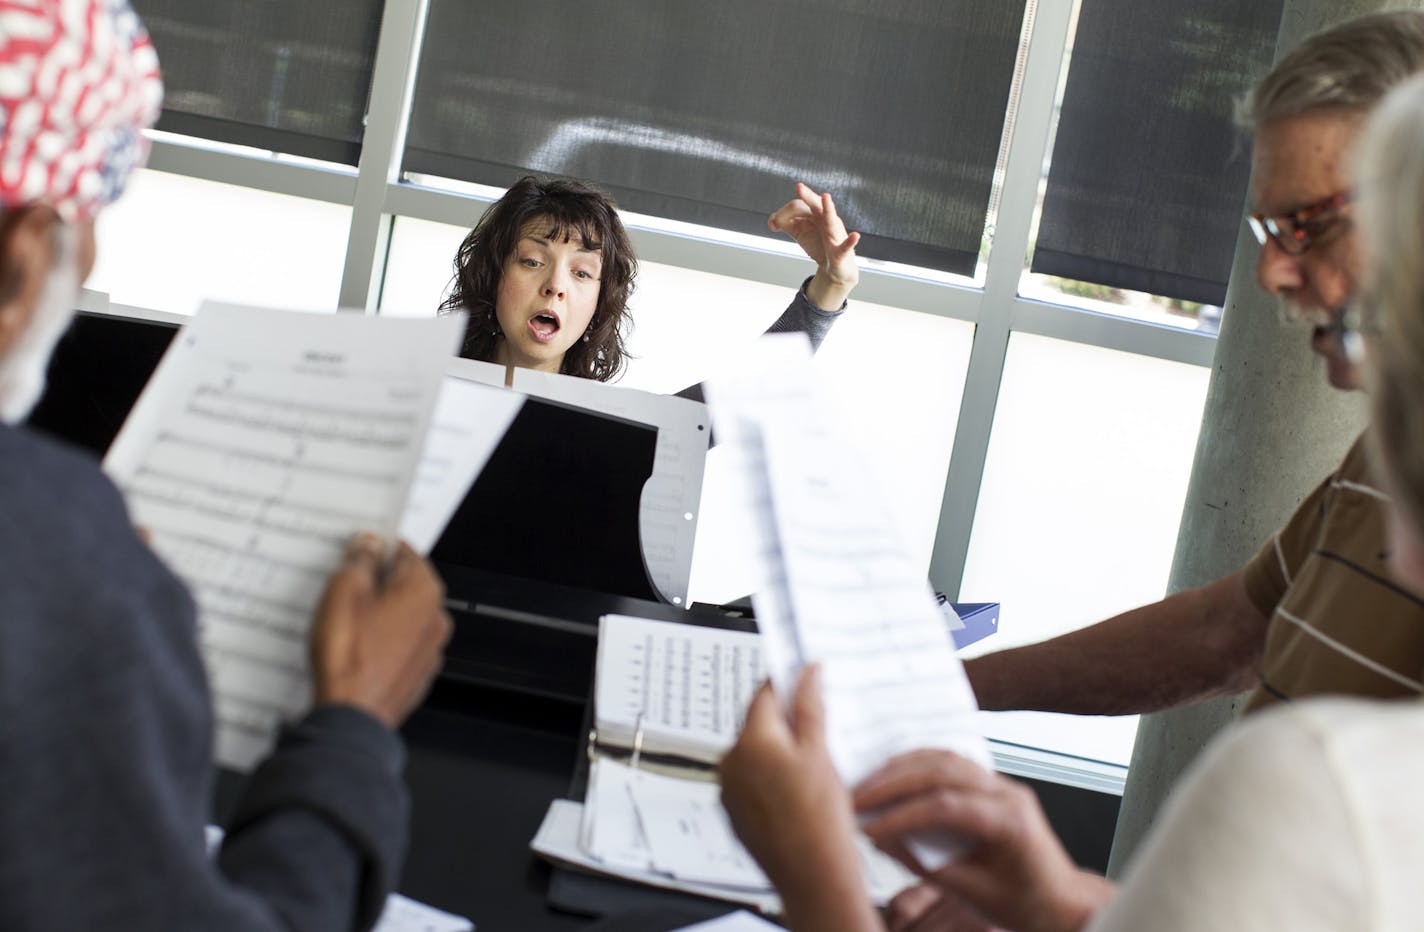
1346 67
1390 183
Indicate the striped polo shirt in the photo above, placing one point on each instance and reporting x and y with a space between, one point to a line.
1339 623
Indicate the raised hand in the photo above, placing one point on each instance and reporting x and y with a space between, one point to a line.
811 220
379 631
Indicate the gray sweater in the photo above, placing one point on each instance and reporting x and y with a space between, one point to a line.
106 743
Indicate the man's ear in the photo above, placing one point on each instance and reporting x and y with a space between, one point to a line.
26 255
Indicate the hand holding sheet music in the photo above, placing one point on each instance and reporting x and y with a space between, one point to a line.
839 589
263 442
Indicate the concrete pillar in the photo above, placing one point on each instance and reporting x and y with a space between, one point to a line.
1272 429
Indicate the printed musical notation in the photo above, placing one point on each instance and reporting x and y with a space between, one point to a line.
264 441
686 688
838 585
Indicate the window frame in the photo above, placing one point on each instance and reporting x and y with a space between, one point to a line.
376 194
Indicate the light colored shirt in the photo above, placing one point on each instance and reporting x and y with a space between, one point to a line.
1306 817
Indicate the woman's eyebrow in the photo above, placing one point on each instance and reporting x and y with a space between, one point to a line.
596 248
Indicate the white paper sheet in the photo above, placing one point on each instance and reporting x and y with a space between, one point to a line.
688 832
641 824
837 589
263 441
475 370
558 840
671 502
739 921
402 914
610 831
470 419
686 686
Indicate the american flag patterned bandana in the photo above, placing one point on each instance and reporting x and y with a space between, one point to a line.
79 83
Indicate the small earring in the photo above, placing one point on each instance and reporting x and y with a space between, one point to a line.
585 337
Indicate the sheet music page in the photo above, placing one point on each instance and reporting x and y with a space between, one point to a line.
669 510
402 914
891 680
739 921
689 834
557 839
688 686
737 400
890 674
610 831
263 441
470 420
637 820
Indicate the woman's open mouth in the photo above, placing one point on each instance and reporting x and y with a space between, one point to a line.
544 327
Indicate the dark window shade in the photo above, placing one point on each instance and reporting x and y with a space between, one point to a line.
710 112
276 74
1149 173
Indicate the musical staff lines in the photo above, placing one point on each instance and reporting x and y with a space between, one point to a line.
267 439
839 587
685 686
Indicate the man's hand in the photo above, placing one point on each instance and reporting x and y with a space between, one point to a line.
929 908
378 636
1015 874
812 221
788 807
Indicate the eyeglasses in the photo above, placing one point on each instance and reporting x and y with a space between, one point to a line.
1298 230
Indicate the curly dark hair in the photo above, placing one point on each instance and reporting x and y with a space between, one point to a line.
571 209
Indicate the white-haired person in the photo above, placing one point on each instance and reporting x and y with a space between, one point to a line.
1310 613
1305 817
105 717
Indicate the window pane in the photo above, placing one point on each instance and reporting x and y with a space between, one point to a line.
419 265
895 376
710 112
289 77
1146 188
172 241
1120 302
1083 488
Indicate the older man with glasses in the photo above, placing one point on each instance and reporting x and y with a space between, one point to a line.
1313 612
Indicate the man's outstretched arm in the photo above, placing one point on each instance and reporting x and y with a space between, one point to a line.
1195 644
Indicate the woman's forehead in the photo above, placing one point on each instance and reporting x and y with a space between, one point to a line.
551 229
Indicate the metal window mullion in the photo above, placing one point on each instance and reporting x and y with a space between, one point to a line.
387 116
1005 268
332 185
1142 338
